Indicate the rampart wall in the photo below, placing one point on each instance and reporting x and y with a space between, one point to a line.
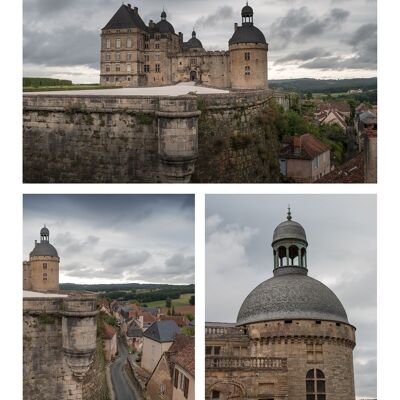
147 139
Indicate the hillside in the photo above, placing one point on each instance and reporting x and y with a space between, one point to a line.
323 86
112 287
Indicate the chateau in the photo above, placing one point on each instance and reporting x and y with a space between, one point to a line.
292 339
134 54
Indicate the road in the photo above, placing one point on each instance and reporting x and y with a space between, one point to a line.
122 387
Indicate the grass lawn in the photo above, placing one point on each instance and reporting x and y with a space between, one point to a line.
182 301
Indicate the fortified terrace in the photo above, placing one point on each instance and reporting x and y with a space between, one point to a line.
292 338
172 112
61 352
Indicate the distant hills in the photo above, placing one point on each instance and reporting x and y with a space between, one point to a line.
323 85
124 287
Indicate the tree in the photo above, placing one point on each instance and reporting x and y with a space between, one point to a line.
168 302
191 300
188 330
189 316
173 311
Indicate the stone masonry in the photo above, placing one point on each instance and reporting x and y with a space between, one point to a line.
147 139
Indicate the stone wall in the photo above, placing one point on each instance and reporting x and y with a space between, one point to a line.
147 139
59 360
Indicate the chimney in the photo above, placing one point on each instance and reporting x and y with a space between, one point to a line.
297 144
235 26
135 10
129 6
151 24
181 37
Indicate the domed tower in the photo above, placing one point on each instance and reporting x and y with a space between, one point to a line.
164 26
43 265
297 317
194 44
248 51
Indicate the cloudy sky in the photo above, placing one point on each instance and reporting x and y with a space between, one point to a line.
341 232
116 238
307 38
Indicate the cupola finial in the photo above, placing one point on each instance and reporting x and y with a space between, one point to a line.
289 214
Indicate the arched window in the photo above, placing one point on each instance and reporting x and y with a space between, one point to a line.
282 255
315 385
294 255
45 276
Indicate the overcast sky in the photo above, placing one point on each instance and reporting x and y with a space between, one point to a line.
116 238
341 232
307 38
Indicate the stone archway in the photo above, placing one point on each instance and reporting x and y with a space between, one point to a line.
226 391
193 76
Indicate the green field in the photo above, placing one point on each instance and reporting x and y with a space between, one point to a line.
182 301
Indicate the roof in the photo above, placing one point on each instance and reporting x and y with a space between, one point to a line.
310 147
107 331
164 27
368 118
182 353
147 317
351 171
247 33
134 330
193 43
126 17
341 106
289 230
179 319
44 231
162 331
43 249
291 296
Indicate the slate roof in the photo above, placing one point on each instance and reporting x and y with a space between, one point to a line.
351 171
134 330
193 43
247 33
291 296
289 230
311 147
179 319
125 18
162 331
44 249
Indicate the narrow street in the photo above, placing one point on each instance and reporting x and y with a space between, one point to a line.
122 387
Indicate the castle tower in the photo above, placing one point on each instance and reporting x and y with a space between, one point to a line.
41 273
249 54
294 316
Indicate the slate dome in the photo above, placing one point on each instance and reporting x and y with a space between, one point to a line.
44 232
44 249
193 42
291 296
164 26
289 230
247 33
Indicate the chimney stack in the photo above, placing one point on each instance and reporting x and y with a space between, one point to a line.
235 26
129 6
135 10
151 24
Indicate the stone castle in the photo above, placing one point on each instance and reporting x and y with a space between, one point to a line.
292 338
134 54
61 352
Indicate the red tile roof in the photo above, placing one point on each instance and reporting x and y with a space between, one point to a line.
182 353
179 319
350 172
311 147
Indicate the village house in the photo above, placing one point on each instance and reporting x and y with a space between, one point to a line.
175 367
109 335
134 336
333 113
180 320
145 320
304 158
157 339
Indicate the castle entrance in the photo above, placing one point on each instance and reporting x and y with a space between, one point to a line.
193 76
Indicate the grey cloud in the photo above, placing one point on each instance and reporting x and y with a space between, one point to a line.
362 34
304 55
120 259
222 13
180 262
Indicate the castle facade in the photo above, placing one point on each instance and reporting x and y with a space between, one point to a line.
292 339
134 54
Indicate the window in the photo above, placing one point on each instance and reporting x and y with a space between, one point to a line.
157 37
215 395
129 42
314 353
146 45
129 57
45 276
193 61
247 56
108 69
158 68
213 350
157 57
44 265
118 43
146 57
247 70
186 387
176 378
157 45
147 68
162 390
118 68
117 57
108 57
108 43
315 385
128 68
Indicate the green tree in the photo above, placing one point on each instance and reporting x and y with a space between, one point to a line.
191 300
168 302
